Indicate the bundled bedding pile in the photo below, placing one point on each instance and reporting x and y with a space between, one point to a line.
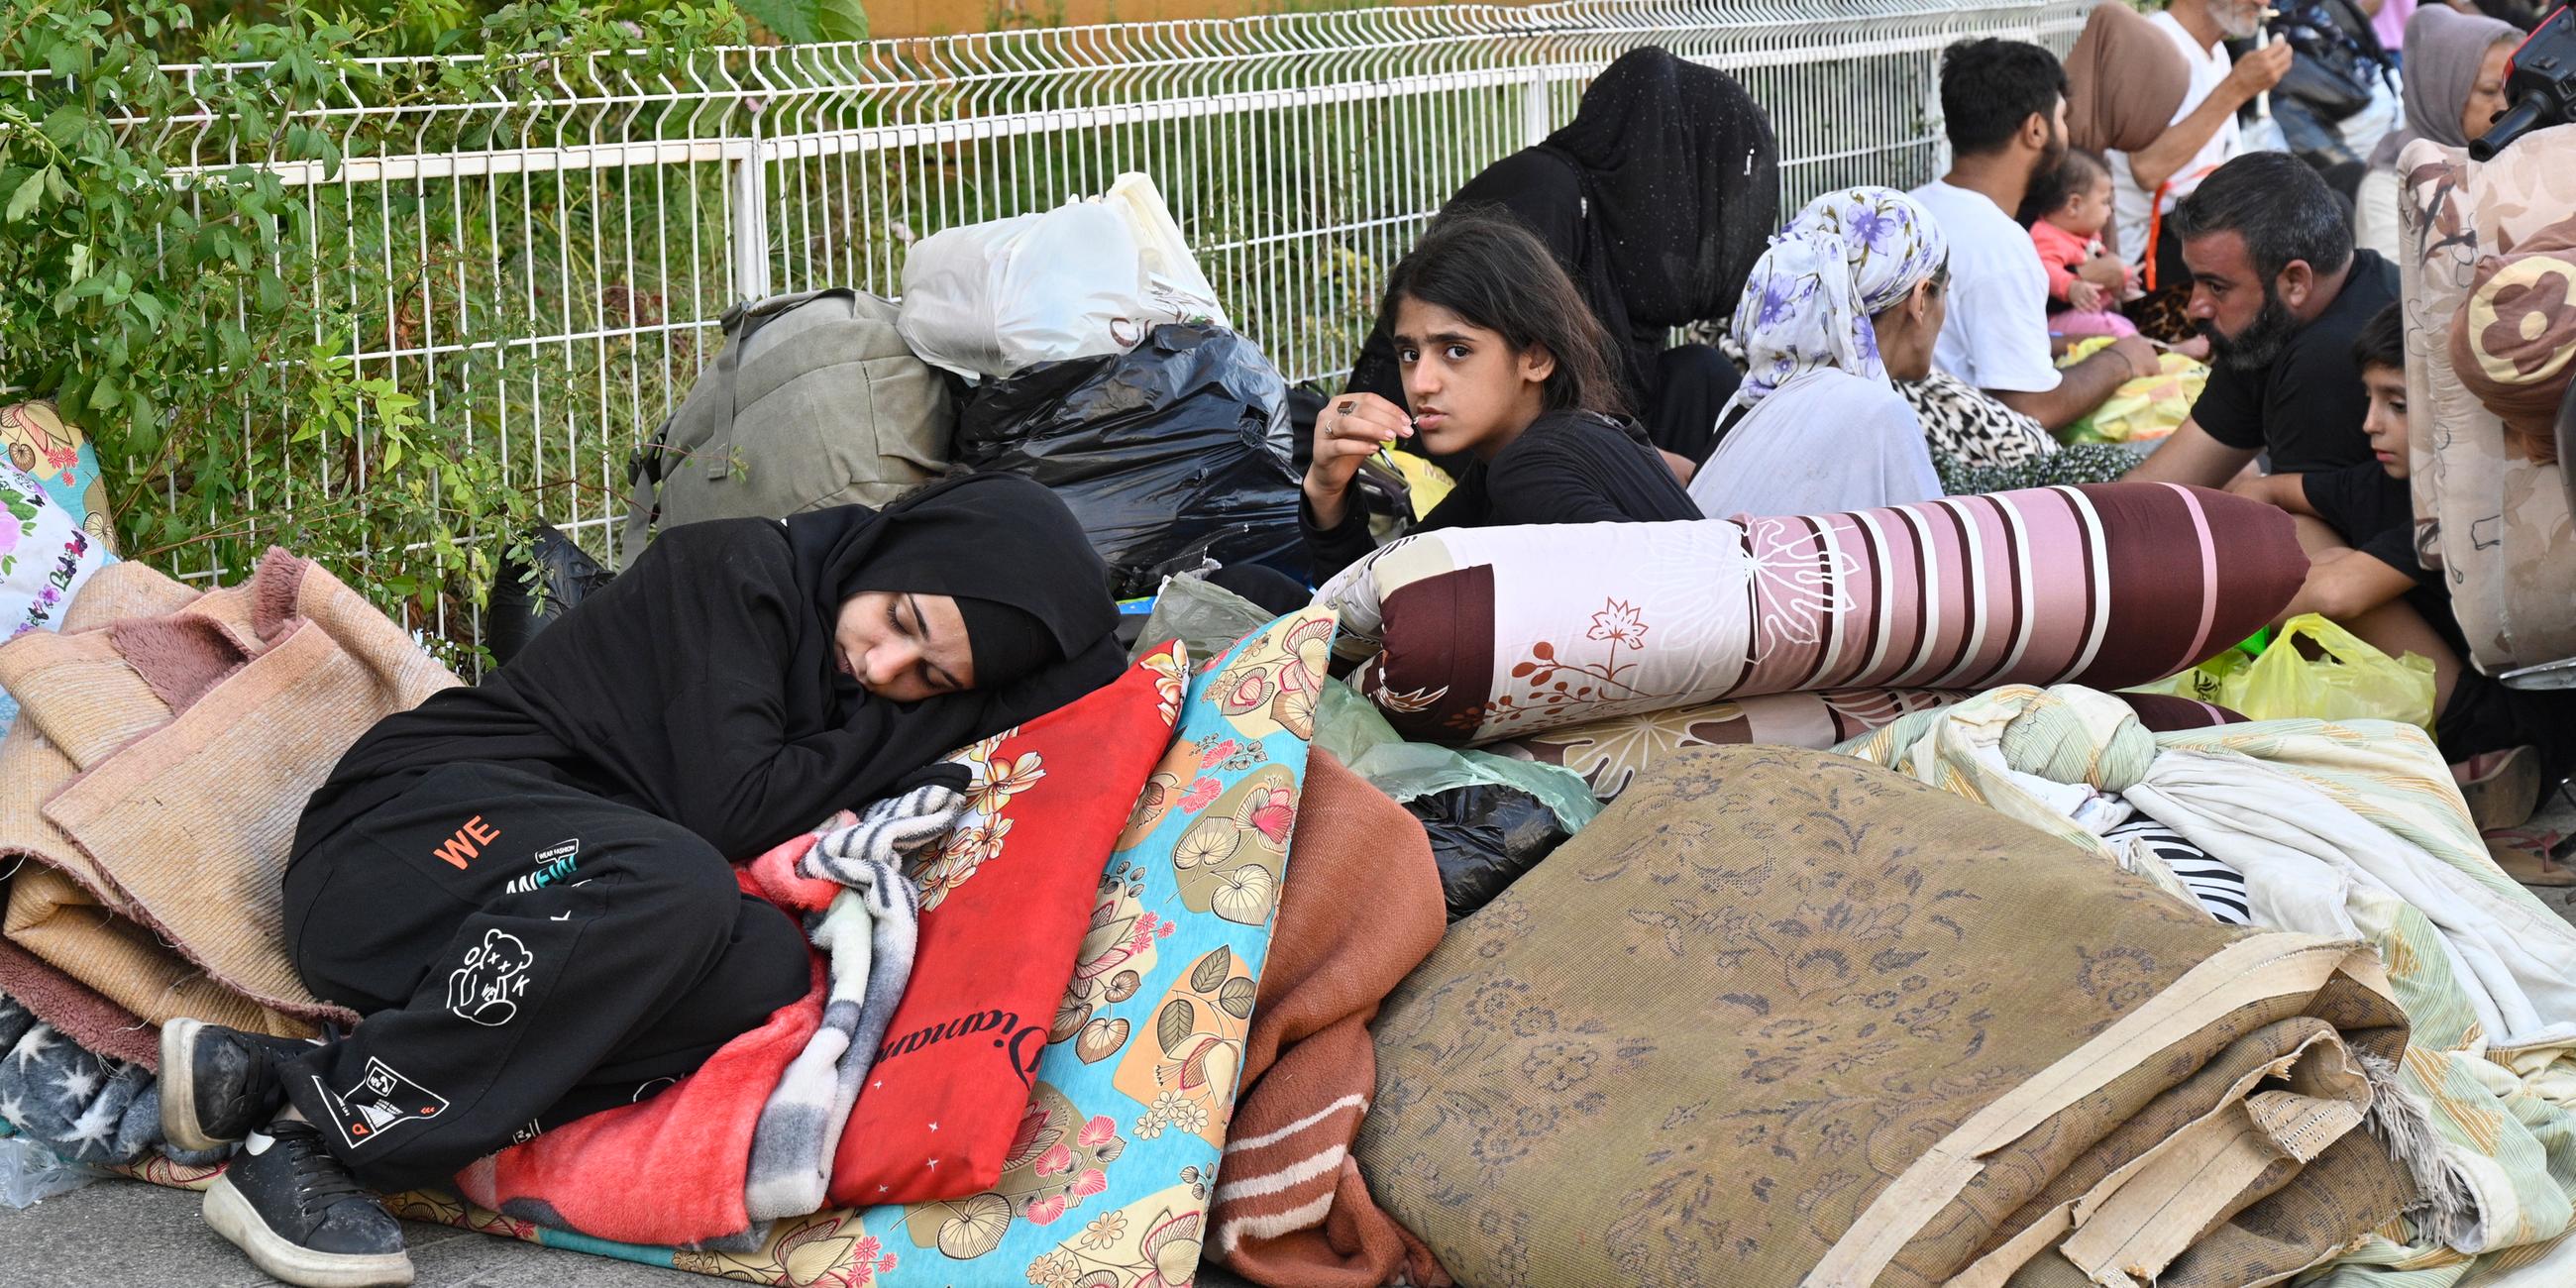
1144 981
1781 1017
2351 831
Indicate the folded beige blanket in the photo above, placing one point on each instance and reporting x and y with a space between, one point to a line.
165 745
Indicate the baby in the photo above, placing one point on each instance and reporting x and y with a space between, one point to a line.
2085 283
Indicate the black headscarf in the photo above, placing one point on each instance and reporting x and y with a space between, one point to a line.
1032 591
699 683
1682 178
1658 197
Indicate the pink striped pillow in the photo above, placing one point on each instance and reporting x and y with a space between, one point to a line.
1473 635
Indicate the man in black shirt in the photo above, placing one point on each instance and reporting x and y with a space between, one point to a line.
2281 293
2361 582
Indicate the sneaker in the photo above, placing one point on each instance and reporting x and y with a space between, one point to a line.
219 1083
300 1215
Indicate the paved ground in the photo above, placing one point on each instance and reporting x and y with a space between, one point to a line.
158 1239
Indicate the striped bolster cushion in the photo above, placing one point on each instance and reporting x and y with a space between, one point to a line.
1473 635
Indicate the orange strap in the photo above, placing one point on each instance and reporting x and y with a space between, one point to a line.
2156 218
2155 230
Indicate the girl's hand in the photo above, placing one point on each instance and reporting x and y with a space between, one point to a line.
1351 429
2084 297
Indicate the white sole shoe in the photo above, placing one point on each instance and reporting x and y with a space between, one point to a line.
179 1119
232 1216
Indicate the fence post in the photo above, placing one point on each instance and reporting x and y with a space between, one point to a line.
748 237
1536 119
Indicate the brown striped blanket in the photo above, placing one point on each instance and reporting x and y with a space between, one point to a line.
1361 909
1480 634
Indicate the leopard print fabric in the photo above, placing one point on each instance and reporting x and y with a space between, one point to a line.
2074 463
2161 315
1963 422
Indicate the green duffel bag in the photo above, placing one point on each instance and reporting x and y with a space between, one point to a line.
814 401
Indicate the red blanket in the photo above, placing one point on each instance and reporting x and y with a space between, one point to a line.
693 1141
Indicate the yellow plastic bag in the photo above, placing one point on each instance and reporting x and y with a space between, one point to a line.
2206 682
2142 409
2351 681
1426 484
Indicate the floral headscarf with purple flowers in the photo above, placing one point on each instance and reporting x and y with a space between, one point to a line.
1846 257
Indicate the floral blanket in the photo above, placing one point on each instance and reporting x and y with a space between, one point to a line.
1783 1017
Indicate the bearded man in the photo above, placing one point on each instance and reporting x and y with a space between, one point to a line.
2282 295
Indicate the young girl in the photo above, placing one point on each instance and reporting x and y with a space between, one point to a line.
1502 361
2085 282
524 889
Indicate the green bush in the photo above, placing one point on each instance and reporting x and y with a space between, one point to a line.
196 319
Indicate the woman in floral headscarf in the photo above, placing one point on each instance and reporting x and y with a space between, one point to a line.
1847 300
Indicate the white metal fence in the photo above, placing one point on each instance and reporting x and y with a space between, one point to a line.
553 261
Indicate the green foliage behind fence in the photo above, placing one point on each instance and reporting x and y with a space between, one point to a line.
306 284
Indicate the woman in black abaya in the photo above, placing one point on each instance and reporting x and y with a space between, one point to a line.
1656 198
524 887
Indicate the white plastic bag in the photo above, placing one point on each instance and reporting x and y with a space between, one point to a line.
1174 284
31 1173
1078 281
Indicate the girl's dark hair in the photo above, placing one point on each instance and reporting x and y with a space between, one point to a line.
1491 272
2049 192
2081 169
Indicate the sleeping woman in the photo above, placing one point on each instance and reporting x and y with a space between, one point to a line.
524 889
1501 360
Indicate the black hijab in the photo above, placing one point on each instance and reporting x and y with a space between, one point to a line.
699 683
1681 177
1034 594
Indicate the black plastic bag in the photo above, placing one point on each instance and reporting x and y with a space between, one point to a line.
1171 452
2340 63
1484 837
519 609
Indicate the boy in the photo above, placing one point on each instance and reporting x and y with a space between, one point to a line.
2358 524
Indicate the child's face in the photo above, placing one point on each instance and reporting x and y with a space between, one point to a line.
2087 207
1470 390
2386 422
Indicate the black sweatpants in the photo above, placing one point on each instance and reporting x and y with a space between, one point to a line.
522 953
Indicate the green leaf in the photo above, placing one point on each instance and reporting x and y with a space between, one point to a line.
840 19
790 20
106 394
64 124
24 200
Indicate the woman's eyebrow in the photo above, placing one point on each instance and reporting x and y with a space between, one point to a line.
920 629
